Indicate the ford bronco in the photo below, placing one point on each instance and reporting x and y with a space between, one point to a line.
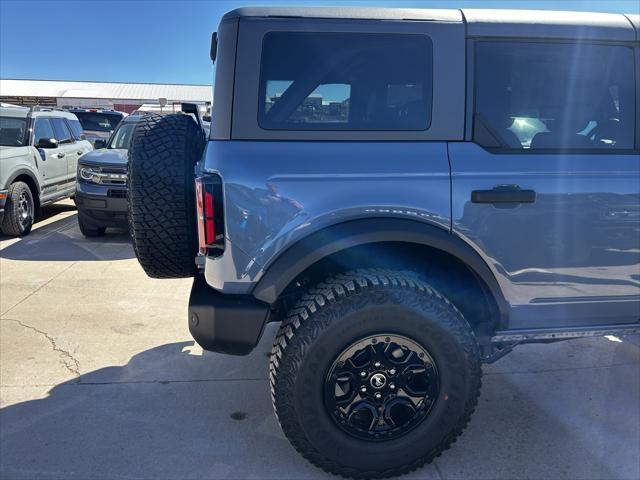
410 193
39 151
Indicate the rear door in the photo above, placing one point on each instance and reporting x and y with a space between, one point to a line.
69 151
81 146
549 189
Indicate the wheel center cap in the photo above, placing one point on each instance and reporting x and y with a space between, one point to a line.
378 381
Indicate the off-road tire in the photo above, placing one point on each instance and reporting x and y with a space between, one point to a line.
11 224
335 313
89 230
161 198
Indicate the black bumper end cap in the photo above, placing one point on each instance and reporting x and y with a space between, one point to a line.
230 324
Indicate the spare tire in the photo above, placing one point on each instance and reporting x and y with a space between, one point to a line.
161 198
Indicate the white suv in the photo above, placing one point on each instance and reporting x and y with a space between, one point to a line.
39 151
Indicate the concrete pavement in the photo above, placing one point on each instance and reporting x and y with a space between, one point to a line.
99 379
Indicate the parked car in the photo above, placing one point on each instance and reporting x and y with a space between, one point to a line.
101 188
39 151
98 123
411 193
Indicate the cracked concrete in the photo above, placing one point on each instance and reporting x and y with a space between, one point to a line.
99 379
66 358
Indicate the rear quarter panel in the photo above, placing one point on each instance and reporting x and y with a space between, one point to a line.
276 193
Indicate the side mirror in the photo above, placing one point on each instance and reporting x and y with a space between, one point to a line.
47 143
99 143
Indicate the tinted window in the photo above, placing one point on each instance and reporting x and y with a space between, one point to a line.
554 96
63 134
98 122
12 131
76 129
345 81
42 129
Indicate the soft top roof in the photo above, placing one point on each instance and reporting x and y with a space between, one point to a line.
482 23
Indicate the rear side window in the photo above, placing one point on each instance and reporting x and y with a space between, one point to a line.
63 134
345 81
76 129
554 96
42 130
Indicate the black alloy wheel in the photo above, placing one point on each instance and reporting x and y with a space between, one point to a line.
382 386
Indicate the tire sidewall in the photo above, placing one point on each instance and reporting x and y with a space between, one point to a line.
17 190
371 312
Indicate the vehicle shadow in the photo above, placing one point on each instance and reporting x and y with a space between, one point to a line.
61 240
52 210
169 413
166 414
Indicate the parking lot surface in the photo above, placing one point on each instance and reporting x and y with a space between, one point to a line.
101 380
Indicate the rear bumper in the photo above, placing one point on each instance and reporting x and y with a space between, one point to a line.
101 205
231 324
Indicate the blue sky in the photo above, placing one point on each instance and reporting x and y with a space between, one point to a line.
162 41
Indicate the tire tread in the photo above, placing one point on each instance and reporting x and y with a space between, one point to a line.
297 325
161 197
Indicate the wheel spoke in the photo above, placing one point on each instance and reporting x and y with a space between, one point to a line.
381 386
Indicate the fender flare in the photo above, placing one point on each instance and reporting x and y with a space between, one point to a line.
28 173
297 258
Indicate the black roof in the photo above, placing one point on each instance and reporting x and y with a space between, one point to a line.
480 22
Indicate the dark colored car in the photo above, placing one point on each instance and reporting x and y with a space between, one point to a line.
98 124
101 187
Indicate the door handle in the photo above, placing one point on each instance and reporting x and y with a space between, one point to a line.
79 152
503 194
60 155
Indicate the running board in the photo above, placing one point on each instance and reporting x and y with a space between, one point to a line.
532 335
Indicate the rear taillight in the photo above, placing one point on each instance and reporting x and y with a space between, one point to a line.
209 214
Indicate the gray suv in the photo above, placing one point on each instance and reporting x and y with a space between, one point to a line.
410 193
39 152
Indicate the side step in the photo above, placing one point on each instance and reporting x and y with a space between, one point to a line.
532 335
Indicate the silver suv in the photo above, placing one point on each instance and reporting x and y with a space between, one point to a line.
39 151
410 193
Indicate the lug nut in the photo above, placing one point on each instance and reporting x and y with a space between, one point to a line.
378 396
392 386
363 374
363 389
392 371
376 364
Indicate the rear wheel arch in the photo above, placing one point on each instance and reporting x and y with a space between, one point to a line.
27 177
384 243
